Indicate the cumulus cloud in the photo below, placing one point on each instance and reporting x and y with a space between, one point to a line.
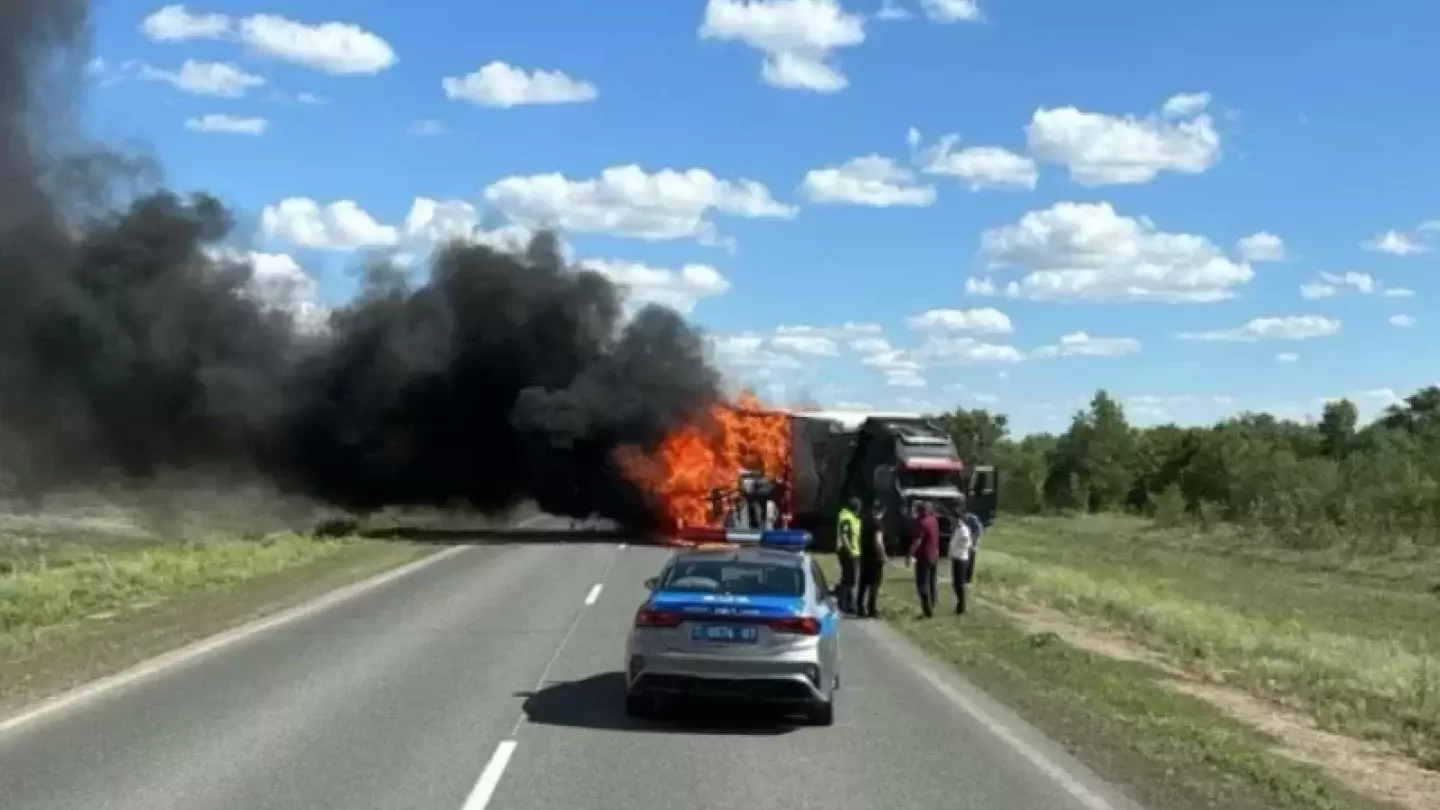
748 352
628 201
1402 321
1297 327
949 11
1089 252
221 79
1081 344
1328 285
1395 243
337 48
229 124
869 180
965 350
963 320
1100 149
799 38
892 10
679 289
498 84
1262 247
977 167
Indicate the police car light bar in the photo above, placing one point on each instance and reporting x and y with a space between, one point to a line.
786 539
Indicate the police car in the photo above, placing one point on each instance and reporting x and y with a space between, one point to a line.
747 616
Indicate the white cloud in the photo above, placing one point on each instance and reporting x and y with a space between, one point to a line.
231 124
748 352
1330 284
1185 105
985 399
1287 357
798 37
962 320
1080 344
427 126
980 167
498 84
1087 251
965 350
332 47
1297 327
869 180
891 10
906 379
816 345
341 225
948 11
206 78
870 345
1262 247
849 329
431 223
1402 321
279 282
1102 149
176 24
893 360
628 201
680 290
1395 243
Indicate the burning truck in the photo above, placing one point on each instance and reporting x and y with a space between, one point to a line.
804 466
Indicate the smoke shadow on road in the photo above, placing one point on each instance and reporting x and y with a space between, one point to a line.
598 702
504 536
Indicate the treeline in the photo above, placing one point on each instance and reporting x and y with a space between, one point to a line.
1307 484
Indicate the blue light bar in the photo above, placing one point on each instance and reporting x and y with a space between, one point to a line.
786 539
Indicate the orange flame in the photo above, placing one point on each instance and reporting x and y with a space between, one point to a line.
709 454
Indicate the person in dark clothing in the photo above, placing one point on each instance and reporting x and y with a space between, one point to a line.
872 561
925 551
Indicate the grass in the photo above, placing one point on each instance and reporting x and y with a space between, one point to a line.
1243 617
1350 640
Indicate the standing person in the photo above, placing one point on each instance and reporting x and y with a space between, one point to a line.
976 527
847 549
961 549
872 560
925 551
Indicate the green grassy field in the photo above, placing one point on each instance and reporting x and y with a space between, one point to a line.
1347 640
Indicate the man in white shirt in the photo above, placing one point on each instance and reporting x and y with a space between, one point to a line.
961 546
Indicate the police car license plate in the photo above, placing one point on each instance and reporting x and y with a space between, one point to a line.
726 635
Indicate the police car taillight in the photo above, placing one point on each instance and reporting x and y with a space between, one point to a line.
649 617
795 625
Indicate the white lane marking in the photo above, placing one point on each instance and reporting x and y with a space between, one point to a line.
490 777
1062 777
560 648
174 658
594 594
622 546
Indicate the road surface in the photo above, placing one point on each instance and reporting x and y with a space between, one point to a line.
490 679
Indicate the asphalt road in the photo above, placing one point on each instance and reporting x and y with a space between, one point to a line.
490 679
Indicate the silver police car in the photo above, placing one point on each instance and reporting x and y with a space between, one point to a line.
753 623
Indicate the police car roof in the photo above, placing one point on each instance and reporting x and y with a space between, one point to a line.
768 556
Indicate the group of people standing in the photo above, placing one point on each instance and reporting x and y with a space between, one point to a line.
862 551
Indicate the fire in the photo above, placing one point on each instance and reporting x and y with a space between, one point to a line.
709 455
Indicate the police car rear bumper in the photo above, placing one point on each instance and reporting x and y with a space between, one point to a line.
767 682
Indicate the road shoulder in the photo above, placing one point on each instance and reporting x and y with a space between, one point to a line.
1119 718
109 643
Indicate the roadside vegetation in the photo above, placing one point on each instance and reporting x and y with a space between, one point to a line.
89 584
1259 598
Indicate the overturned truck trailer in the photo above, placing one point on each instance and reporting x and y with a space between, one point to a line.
892 459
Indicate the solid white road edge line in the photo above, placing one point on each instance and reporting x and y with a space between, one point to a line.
917 661
190 652
594 593
490 777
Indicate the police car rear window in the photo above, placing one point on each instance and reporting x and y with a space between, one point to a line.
737 578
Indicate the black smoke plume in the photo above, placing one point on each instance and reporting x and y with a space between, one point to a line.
130 349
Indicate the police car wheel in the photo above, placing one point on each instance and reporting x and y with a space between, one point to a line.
822 714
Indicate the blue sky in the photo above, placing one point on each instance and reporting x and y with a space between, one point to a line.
1201 207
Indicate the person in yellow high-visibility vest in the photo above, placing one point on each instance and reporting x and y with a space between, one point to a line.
847 549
